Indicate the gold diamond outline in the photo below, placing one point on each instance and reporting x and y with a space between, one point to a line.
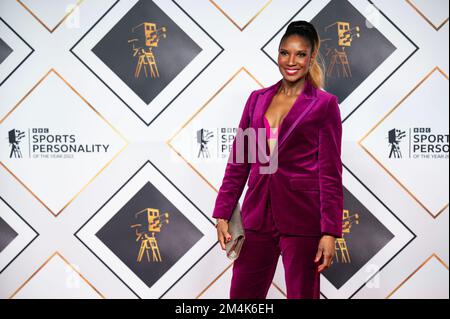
423 15
214 281
279 289
95 111
77 5
234 22
396 179
168 142
56 253
221 274
415 271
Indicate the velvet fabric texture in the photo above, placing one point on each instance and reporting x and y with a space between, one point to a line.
253 271
305 188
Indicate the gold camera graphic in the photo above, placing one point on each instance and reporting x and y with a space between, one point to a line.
338 37
342 254
147 38
145 233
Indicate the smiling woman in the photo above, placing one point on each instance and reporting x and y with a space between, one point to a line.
296 210
299 54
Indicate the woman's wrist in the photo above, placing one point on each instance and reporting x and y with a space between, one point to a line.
219 220
329 236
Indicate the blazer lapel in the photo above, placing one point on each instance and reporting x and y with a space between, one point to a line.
301 107
262 104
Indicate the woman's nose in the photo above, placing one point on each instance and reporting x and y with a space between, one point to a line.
291 60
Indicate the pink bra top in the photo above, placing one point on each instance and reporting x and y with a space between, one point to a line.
271 132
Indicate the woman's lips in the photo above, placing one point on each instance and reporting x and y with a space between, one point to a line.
291 71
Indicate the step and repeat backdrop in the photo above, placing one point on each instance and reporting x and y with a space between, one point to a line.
117 118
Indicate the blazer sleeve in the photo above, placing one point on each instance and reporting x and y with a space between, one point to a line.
330 171
236 172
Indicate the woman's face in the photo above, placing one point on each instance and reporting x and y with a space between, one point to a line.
294 57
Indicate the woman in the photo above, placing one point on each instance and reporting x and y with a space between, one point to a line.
296 210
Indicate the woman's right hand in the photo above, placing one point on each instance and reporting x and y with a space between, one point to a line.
222 232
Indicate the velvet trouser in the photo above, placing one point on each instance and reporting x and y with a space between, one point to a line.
254 270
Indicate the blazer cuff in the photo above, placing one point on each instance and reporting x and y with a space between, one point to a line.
220 213
337 233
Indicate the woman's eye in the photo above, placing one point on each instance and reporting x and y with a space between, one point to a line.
299 54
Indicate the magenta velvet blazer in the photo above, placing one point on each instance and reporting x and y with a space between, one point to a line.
305 190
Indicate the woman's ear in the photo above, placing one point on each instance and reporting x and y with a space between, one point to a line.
313 57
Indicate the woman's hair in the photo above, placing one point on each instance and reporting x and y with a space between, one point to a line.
306 30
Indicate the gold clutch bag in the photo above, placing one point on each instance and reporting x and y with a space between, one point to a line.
236 230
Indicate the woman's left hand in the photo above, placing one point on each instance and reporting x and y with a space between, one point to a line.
326 251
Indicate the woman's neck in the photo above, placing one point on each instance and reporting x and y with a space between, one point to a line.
292 89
